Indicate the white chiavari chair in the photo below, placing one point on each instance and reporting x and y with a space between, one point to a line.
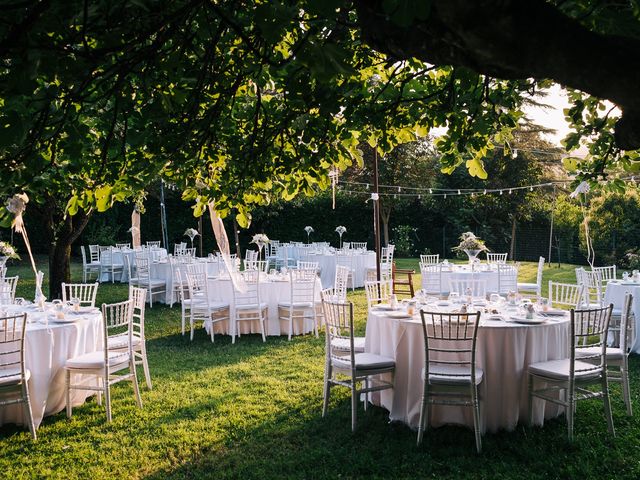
567 381
94 253
154 244
257 265
507 278
329 295
592 282
109 265
607 273
201 307
463 284
358 245
85 292
351 368
450 374
345 259
8 290
430 259
341 282
302 301
179 248
89 267
14 376
123 245
534 288
565 294
248 305
178 282
305 265
132 272
377 292
104 364
496 257
431 278
153 286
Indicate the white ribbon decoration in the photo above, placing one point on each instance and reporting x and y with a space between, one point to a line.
583 189
223 244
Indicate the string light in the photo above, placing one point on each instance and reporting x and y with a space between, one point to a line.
510 191
399 189
430 190
500 192
458 191
445 195
485 192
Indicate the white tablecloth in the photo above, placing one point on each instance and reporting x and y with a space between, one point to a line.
118 258
615 294
271 293
162 271
504 351
327 262
464 271
46 352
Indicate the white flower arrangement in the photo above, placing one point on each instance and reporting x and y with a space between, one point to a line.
468 241
340 230
260 239
8 250
309 229
18 203
191 233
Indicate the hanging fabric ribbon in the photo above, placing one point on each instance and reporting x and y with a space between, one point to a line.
223 244
17 206
333 175
581 193
135 228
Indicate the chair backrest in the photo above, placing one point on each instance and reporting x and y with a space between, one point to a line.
450 339
589 329
138 297
179 248
8 290
123 245
341 281
496 257
431 277
607 273
197 284
627 325
106 255
565 294
117 319
142 267
541 261
94 252
251 255
258 265
346 245
12 353
250 294
592 282
462 284
132 271
153 244
377 292
358 245
303 286
85 292
430 259
386 255
315 266
84 256
338 317
507 278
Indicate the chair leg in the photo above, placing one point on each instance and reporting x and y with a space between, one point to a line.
136 388
327 387
476 419
570 412
626 392
354 405
68 393
366 395
290 323
262 317
424 414
530 395
607 406
145 367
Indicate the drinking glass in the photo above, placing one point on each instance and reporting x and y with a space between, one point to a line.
454 297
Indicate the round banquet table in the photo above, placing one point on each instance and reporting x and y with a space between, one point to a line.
482 271
47 348
615 294
161 270
155 253
272 291
504 351
327 262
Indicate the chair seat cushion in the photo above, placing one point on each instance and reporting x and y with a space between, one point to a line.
95 360
202 305
117 342
153 282
12 376
343 344
296 304
528 286
442 374
613 353
251 306
366 361
559 369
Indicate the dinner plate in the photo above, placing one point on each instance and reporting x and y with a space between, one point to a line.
385 307
443 303
528 321
66 319
399 315
553 313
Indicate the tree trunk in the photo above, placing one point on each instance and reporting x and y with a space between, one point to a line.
63 234
385 214
512 249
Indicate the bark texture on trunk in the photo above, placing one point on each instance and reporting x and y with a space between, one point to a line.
385 215
512 249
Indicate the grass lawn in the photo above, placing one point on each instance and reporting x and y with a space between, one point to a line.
253 410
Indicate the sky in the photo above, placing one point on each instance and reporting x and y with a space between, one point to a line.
552 117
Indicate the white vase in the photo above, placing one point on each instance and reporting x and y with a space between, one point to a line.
472 254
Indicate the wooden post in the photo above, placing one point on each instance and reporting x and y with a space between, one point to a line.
376 212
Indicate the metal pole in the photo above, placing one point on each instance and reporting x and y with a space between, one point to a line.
201 232
376 212
553 207
163 217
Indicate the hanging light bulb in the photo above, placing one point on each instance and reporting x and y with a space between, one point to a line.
445 195
485 192
419 197
510 191
367 186
430 191
531 189
500 192
473 194
458 191
399 189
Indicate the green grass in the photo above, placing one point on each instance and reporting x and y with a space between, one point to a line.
253 410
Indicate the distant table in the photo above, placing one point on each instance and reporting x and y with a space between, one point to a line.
47 348
452 271
504 351
615 293
360 262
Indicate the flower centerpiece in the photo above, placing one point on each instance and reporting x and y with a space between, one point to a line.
309 230
191 233
471 245
7 251
260 239
340 230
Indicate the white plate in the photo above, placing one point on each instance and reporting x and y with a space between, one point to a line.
443 303
385 307
553 313
528 321
399 315
66 319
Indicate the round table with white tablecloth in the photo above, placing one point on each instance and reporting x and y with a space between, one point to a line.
482 271
615 293
360 262
273 290
162 271
504 351
155 254
48 345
